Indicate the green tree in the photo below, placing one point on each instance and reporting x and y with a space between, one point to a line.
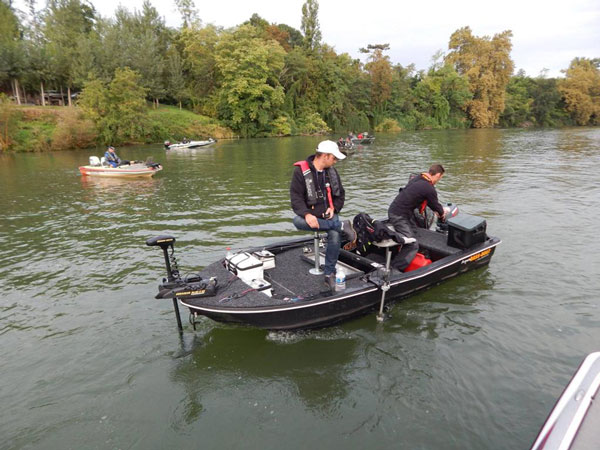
487 65
198 51
250 95
67 25
176 86
118 109
295 38
11 49
518 103
379 69
581 91
441 96
547 108
310 25
8 123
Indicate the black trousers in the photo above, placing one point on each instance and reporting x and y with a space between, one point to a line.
406 226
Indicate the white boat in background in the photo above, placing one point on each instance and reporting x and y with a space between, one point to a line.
189 144
574 422
100 168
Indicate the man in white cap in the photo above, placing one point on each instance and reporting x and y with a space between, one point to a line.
317 196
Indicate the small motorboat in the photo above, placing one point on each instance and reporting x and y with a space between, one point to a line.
277 287
363 140
98 167
575 419
189 144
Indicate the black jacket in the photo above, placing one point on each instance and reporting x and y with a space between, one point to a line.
412 196
298 194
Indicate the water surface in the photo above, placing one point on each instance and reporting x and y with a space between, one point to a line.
91 360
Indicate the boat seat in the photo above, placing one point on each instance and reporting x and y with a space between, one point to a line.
103 162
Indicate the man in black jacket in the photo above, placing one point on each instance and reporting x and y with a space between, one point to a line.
418 193
317 196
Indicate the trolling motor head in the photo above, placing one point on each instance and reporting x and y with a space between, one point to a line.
163 242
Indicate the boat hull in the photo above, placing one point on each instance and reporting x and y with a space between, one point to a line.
351 302
191 144
133 171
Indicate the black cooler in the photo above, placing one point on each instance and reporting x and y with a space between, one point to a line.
465 231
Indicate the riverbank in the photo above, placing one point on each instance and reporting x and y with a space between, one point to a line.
52 128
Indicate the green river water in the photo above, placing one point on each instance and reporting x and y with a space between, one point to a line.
90 360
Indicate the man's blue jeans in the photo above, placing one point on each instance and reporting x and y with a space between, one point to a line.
334 240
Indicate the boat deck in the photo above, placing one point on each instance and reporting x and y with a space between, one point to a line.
292 282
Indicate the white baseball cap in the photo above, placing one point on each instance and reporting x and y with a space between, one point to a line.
330 147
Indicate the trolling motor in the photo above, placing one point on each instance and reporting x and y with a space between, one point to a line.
174 286
173 276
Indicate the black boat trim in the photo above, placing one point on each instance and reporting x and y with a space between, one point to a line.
456 259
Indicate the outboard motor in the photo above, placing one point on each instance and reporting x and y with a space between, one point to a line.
451 211
167 144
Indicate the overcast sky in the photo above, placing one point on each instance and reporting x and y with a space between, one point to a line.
547 34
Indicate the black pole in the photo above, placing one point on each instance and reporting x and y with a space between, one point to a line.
168 264
176 307
170 278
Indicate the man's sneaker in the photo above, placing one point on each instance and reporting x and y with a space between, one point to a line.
330 281
348 231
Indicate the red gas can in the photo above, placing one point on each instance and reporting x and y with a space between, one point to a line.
418 262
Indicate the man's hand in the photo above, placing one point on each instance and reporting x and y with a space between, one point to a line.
329 213
311 221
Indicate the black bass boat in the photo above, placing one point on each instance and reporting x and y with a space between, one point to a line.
273 287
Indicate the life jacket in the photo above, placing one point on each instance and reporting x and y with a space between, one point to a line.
369 230
333 186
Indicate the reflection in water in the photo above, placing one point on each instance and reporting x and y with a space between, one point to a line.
308 366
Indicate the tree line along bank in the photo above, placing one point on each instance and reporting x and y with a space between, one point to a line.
260 79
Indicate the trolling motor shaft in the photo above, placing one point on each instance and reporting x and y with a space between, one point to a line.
165 242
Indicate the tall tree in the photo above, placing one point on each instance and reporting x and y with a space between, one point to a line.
380 73
198 52
487 65
250 96
11 49
67 23
310 25
581 90
188 12
39 63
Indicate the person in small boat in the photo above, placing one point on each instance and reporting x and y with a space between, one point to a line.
111 158
317 196
185 140
418 193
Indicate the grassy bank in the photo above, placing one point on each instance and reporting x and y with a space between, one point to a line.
37 128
